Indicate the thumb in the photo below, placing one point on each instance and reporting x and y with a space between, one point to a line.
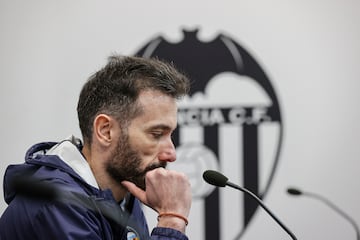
135 190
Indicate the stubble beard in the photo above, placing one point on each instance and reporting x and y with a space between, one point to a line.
125 164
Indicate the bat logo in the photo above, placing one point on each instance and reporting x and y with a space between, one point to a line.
230 122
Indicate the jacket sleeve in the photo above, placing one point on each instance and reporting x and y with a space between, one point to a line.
158 233
61 221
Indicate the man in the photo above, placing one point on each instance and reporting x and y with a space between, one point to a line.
127 113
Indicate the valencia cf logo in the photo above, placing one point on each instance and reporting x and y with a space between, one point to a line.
132 234
230 122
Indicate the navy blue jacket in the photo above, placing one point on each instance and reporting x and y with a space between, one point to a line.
79 211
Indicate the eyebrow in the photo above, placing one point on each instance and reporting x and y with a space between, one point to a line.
161 126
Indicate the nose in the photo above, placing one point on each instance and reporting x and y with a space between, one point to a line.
167 152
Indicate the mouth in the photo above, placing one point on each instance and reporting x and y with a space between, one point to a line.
139 179
150 168
154 166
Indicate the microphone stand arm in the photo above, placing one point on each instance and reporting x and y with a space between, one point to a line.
338 210
264 207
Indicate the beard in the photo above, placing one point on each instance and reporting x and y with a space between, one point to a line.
125 164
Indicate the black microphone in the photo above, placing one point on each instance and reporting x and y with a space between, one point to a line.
217 179
33 188
297 192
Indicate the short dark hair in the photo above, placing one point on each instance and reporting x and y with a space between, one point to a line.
114 89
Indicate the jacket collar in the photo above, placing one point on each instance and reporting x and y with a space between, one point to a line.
68 151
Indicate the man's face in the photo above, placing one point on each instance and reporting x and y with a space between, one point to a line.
146 144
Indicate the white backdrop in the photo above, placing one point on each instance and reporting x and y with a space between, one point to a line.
309 49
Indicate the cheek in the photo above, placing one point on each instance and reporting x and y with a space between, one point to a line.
147 152
146 148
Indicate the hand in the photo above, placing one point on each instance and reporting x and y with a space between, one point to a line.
166 191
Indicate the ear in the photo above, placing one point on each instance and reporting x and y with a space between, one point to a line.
104 129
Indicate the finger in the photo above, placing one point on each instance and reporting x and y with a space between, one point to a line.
135 190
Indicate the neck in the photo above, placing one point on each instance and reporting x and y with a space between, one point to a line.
103 179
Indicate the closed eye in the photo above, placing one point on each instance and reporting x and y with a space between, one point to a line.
160 131
157 134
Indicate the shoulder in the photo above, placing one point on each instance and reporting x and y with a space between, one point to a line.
39 219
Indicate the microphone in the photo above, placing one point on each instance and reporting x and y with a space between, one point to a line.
33 188
297 192
219 180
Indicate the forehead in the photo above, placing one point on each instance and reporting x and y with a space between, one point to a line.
157 108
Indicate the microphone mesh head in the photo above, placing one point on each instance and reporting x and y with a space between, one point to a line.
215 178
294 191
